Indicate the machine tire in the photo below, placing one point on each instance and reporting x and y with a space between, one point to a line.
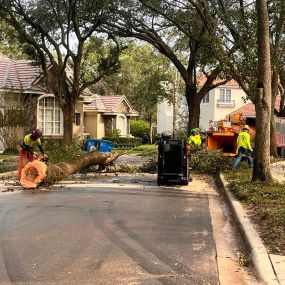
160 181
184 181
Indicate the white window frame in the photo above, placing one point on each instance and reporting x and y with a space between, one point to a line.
225 96
124 126
39 120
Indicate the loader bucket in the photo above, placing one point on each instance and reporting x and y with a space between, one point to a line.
224 141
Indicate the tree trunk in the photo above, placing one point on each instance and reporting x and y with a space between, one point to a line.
275 92
273 147
150 131
35 172
68 118
193 103
261 168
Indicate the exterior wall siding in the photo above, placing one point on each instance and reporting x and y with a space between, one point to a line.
100 126
90 124
209 111
164 117
122 108
214 111
78 130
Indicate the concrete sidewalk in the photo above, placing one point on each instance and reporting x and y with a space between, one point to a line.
270 269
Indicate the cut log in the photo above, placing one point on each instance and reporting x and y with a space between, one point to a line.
36 172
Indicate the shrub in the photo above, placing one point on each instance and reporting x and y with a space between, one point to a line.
114 134
211 161
57 151
11 151
125 143
140 129
14 120
8 165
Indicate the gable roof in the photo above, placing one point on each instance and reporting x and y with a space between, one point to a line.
23 76
107 104
111 102
248 110
201 80
94 102
19 75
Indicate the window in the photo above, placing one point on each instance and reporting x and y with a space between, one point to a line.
50 116
121 124
77 119
206 98
225 96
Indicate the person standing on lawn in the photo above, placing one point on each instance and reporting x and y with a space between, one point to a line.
244 147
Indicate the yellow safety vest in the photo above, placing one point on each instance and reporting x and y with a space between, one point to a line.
195 140
31 143
244 140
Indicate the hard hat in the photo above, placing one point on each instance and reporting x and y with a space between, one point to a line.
194 130
36 133
246 127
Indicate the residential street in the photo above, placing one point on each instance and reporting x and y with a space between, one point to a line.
119 230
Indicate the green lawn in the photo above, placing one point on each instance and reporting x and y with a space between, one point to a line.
140 150
8 162
266 204
5 156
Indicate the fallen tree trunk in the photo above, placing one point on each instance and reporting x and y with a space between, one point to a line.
36 172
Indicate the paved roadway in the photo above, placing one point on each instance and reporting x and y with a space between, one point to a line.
104 234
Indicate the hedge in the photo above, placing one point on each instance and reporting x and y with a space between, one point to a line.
125 143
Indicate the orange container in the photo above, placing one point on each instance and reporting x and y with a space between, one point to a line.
224 141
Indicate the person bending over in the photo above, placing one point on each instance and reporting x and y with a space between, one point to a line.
27 153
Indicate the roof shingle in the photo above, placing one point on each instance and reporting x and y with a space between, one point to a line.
96 103
18 75
249 108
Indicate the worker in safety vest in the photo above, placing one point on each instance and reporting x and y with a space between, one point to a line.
27 153
195 140
244 147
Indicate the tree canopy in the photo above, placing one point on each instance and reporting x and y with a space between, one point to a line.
175 29
57 32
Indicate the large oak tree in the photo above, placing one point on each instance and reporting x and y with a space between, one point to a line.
237 23
57 31
175 29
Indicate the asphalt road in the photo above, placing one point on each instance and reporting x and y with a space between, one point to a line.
107 235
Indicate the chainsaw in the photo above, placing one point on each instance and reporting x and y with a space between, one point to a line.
41 157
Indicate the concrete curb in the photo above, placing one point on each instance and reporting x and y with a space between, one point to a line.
259 256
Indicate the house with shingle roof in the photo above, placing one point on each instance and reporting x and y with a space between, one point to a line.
248 110
248 113
221 101
218 103
95 115
109 113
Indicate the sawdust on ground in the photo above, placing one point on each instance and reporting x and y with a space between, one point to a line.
278 171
